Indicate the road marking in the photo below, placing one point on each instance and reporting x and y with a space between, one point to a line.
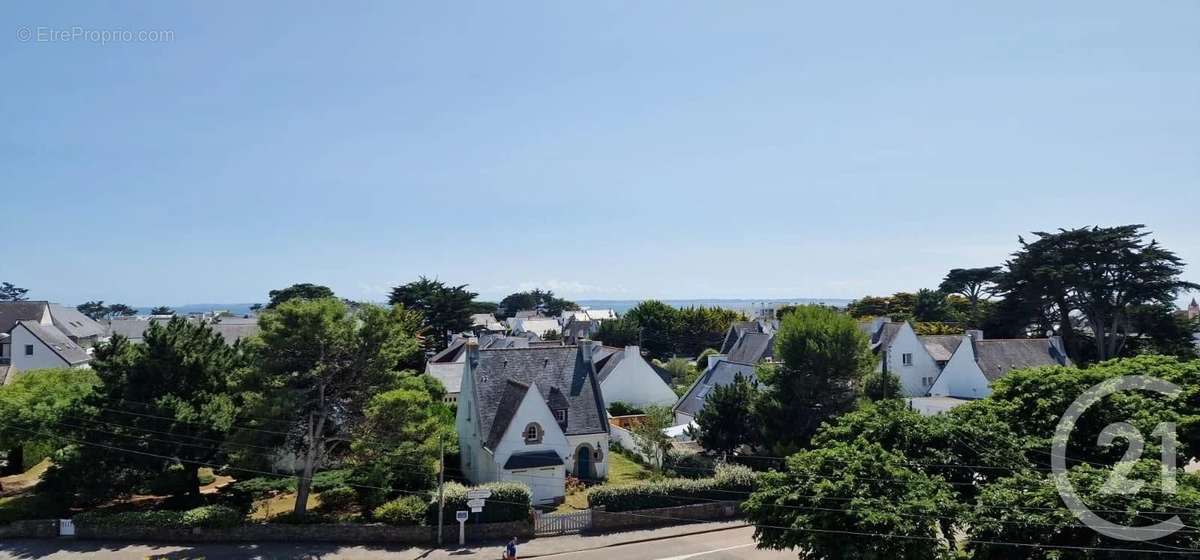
685 556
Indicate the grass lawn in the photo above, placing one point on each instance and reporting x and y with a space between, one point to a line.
620 471
281 503
19 483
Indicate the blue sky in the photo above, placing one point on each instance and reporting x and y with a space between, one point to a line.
603 149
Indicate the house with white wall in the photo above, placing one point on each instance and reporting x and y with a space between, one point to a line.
532 415
32 345
538 326
625 376
916 361
978 362
40 334
720 372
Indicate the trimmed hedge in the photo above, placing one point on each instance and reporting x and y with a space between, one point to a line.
408 510
731 482
209 517
510 501
264 485
339 498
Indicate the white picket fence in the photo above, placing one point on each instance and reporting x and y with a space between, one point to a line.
550 524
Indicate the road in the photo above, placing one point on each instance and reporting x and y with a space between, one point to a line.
726 544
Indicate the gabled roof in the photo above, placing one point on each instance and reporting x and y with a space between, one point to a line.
58 342
717 376
449 373
234 331
610 364
752 348
452 353
941 346
998 357
736 330
883 337
73 323
13 312
500 375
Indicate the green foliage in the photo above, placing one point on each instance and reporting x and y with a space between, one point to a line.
407 510
445 309
31 506
730 482
824 357
657 323
338 498
206 517
37 401
543 301
162 310
213 517
727 420
618 332
623 409
510 501
664 331
879 385
858 487
9 292
303 291
648 433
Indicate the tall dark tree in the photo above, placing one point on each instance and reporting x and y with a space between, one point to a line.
975 284
94 309
1098 273
543 301
657 323
9 292
930 306
162 310
822 357
298 291
617 332
698 328
727 420
446 309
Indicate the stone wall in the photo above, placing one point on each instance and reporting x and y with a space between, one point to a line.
339 533
605 522
30 529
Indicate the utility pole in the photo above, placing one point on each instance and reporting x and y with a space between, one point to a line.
441 483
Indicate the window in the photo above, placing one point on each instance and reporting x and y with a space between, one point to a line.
561 416
906 358
28 349
533 434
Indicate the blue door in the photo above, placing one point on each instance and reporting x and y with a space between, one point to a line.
583 463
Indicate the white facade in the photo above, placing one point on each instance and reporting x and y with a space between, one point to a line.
537 325
29 352
909 361
633 382
962 377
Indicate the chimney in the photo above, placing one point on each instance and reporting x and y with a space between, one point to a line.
472 352
585 351
975 334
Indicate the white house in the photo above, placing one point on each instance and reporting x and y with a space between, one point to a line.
536 325
626 377
978 362
40 334
532 415
34 346
915 360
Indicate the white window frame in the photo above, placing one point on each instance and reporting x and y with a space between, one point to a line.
906 358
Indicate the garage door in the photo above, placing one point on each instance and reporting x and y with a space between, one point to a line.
546 484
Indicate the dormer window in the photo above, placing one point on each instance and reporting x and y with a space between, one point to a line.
533 434
561 416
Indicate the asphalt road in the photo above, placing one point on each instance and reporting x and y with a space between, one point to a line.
730 544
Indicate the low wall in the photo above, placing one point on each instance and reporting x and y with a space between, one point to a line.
339 533
605 522
30 529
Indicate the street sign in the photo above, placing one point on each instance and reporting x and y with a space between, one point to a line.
461 515
479 494
476 504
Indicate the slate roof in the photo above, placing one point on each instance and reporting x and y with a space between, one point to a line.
941 346
717 376
752 348
452 353
73 323
735 332
497 342
885 335
232 332
609 365
1000 356
578 329
501 378
533 459
57 342
13 312
449 373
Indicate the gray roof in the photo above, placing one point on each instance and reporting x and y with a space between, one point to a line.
497 342
717 376
609 365
885 335
232 332
452 353
58 342
501 378
133 329
752 348
73 323
998 357
13 312
449 373
941 346
482 319
735 332
533 459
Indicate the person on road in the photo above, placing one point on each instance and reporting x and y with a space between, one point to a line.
510 551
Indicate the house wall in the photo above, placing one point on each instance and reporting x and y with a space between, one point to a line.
962 377
43 356
546 483
475 462
598 442
912 377
634 382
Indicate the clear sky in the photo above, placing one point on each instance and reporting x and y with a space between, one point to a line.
603 149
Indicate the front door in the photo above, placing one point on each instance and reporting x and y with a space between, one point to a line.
583 463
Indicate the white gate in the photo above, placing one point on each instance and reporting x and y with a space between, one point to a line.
549 524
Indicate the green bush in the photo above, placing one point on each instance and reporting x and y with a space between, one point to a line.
265 485
208 517
309 518
326 480
408 510
206 477
339 498
510 501
37 506
731 482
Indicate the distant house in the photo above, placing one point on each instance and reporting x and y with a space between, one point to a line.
486 322
36 346
978 362
40 334
753 347
532 415
538 326
232 329
721 372
575 330
447 367
915 360
79 328
738 329
625 376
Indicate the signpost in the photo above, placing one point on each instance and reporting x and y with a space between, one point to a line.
476 505
476 498
479 494
461 516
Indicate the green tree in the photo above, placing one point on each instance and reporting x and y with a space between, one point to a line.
881 385
727 420
822 356
162 310
975 284
618 332
930 306
697 328
94 309
121 310
543 301
446 309
9 292
1099 273
854 500
551 335
36 403
649 437
657 322
319 364
298 291
682 373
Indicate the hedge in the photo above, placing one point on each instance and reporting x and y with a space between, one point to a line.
731 482
340 498
322 481
209 517
510 501
408 510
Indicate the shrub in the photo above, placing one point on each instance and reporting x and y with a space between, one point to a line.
326 480
213 517
731 482
409 510
206 516
339 498
692 466
510 501
206 476
37 506
263 486
309 518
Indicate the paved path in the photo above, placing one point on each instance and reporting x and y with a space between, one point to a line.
718 541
